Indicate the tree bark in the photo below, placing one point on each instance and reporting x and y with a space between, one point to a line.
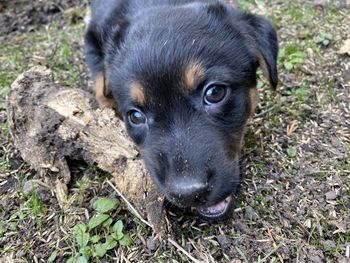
51 124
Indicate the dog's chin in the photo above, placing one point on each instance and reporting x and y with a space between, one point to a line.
217 211
213 213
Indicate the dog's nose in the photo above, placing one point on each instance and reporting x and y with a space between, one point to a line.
189 194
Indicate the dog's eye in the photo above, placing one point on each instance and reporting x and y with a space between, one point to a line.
215 93
137 117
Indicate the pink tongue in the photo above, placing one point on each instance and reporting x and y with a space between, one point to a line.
217 208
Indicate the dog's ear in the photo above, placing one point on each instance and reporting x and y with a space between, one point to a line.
261 38
265 46
95 59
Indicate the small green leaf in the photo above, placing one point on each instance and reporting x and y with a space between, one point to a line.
110 243
100 250
81 236
281 52
107 223
21 215
288 65
85 251
296 61
125 241
2 229
2 105
82 260
95 239
117 236
302 92
12 226
298 54
118 228
292 152
328 36
97 220
80 227
283 99
104 205
52 256
72 260
260 85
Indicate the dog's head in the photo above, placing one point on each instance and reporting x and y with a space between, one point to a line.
184 79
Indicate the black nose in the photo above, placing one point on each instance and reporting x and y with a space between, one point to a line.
187 193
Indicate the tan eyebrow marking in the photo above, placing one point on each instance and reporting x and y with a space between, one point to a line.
137 93
193 74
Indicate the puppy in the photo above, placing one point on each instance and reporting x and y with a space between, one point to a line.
182 76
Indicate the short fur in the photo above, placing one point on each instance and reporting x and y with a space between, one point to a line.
174 49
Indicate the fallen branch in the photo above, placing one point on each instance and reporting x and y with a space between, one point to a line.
51 124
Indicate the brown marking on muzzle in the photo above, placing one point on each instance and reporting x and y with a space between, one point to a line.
235 144
194 74
138 93
237 139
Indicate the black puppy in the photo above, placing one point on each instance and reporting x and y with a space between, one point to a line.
182 75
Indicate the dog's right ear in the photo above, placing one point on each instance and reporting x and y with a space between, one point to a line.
96 62
265 45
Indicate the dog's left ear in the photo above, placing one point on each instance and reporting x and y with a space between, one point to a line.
260 35
265 45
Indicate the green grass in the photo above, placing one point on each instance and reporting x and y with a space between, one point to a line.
36 207
291 55
32 206
53 49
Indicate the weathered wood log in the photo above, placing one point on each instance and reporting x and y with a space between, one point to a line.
50 124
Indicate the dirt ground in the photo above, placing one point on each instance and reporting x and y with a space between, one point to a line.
295 200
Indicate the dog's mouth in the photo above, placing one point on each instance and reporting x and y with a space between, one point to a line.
217 210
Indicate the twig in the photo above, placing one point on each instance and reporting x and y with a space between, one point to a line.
289 216
134 211
264 112
175 244
274 245
131 207
271 252
326 171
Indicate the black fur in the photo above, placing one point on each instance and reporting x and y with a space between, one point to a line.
191 149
